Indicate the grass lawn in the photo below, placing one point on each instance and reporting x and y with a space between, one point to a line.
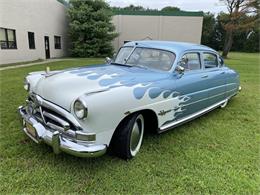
217 153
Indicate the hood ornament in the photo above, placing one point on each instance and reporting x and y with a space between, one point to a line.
47 69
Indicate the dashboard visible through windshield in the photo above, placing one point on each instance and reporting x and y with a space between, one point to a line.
145 57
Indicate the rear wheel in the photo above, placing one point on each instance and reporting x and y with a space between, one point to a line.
224 104
128 137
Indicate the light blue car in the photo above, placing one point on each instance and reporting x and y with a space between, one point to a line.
148 86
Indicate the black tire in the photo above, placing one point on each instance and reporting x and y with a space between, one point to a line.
123 141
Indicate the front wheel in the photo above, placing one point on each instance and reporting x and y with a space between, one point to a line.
128 137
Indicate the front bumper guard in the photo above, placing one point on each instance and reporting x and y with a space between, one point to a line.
56 140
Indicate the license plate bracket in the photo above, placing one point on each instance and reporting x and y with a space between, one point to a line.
31 130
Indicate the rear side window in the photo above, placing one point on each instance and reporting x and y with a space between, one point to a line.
191 61
210 60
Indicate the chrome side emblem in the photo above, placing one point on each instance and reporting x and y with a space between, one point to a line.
163 112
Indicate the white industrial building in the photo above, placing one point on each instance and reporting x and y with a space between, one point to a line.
31 30
38 29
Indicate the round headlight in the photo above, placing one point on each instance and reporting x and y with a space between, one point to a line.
80 109
26 85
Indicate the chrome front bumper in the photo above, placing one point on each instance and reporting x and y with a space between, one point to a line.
57 140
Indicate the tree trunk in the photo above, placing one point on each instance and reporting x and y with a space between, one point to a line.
228 43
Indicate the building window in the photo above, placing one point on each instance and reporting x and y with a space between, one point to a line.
31 40
7 38
57 42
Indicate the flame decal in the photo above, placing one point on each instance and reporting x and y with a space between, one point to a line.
146 85
108 76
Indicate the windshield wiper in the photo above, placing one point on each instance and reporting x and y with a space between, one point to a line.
118 64
139 66
126 59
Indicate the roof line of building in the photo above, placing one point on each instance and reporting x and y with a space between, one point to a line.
158 13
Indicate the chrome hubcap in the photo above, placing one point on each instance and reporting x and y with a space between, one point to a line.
224 104
137 135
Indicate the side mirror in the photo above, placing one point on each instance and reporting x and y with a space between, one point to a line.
183 61
179 69
108 60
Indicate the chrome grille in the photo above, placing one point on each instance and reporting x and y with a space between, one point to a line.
48 117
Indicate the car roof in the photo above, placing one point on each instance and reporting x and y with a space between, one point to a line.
176 47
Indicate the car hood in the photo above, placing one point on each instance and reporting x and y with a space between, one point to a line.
64 87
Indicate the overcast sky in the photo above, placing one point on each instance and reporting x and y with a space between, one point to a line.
214 6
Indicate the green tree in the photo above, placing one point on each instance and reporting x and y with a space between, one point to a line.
208 30
90 28
170 9
134 8
237 20
252 41
244 40
130 8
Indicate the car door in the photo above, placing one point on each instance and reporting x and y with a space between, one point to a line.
191 85
215 77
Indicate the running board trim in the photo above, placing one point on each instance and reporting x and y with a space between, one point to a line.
190 117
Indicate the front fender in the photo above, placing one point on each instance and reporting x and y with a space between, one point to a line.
33 78
108 108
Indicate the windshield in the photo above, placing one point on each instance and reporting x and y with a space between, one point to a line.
123 53
145 57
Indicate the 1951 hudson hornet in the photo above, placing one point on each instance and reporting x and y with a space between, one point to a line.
149 85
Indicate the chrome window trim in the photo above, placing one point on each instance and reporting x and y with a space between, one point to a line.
147 47
200 60
212 53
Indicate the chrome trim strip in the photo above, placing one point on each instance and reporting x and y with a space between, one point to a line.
65 125
210 97
54 127
212 88
69 133
41 112
29 135
180 121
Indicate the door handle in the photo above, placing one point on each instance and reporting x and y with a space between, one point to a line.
204 76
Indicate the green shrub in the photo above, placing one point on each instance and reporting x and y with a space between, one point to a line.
90 27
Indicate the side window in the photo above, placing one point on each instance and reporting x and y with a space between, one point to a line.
210 60
191 61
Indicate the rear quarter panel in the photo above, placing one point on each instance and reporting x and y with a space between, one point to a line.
232 82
